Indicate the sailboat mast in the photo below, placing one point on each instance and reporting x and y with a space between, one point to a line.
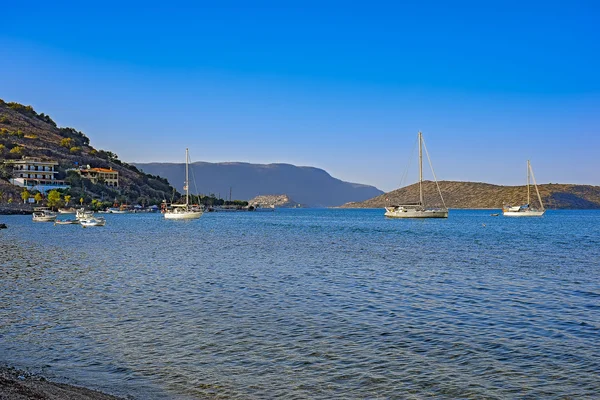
187 186
536 188
528 180
420 169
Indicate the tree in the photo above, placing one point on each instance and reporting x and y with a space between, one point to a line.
25 195
96 204
38 197
67 198
54 199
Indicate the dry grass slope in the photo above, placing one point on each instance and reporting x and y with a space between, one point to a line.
485 195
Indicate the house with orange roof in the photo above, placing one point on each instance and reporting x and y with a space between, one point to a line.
109 176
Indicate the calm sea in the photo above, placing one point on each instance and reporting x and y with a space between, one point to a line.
299 304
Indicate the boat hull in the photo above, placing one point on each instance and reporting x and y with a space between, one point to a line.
411 213
183 215
92 222
67 222
523 213
46 218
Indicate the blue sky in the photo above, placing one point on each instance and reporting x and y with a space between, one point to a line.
340 86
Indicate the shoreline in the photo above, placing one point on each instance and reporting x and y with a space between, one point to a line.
16 209
16 384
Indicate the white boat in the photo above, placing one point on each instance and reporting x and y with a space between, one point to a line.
259 208
82 213
66 222
419 210
93 221
184 211
116 210
526 210
43 214
67 210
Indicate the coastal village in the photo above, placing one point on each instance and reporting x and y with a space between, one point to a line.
37 179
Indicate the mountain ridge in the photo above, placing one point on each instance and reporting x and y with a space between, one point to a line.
307 185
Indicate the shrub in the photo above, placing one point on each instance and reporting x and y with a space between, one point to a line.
75 150
17 150
29 111
4 120
66 142
74 134
46 118
20 108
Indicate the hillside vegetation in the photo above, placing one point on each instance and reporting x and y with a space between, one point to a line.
485 195
24 132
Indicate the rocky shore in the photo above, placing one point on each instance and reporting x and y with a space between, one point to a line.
20 385
16 209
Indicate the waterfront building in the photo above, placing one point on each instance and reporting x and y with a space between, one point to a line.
36 174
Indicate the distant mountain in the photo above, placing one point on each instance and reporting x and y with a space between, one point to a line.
306 185
485 195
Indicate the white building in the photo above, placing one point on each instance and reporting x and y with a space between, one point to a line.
36 174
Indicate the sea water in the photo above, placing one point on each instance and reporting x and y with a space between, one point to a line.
305 303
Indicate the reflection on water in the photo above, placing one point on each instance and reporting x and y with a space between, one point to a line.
308 304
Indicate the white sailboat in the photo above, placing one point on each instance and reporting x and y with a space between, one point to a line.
183 211
419 210
526 210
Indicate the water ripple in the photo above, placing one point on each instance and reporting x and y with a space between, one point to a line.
297 304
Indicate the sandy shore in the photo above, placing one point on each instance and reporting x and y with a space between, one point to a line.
20 385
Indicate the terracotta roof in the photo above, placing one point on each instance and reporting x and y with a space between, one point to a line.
99 170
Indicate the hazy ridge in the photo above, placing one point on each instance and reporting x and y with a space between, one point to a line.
306 185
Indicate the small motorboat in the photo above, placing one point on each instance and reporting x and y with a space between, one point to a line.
93 221
495 214
66 222
43 214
